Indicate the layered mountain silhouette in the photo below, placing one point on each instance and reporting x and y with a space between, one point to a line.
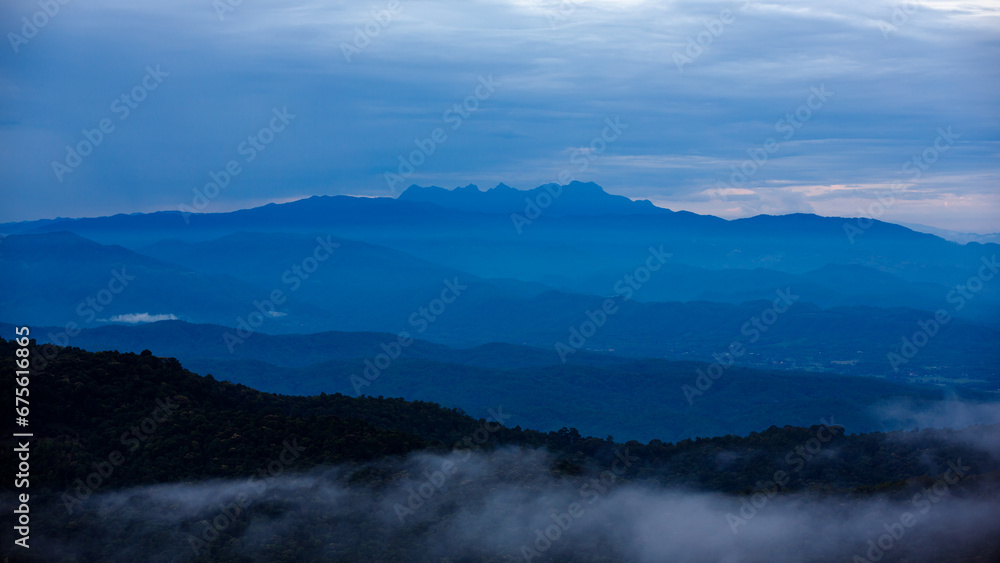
576 198
451 267
639 398
431 224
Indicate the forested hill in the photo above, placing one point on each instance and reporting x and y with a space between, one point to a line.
172 425
133 455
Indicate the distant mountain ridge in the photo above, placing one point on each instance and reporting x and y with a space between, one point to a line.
576 198
372 264
554 247
954 236
469 208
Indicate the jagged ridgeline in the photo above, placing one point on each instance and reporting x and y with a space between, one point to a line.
135 455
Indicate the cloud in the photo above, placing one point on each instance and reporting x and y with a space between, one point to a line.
952 413
135 318
470 506
558 81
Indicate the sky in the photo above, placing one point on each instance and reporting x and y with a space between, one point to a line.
730 108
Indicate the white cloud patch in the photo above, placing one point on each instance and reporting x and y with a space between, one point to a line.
136 318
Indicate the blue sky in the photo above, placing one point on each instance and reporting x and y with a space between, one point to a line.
696 86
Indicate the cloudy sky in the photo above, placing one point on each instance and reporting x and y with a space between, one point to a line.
698 87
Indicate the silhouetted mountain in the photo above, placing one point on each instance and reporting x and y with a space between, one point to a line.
85 399
384 261
830 286
556 248
955 236
576 198
134 454
363 286
636 398
297 283
198 343
59 278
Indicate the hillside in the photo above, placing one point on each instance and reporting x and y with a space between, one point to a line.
97 410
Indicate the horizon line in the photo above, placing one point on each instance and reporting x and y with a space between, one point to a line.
917 227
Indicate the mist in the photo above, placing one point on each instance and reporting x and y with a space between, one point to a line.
508 505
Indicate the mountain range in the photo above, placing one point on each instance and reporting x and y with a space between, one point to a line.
664 364
587 287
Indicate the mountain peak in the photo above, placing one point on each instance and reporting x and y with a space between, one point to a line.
575 198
